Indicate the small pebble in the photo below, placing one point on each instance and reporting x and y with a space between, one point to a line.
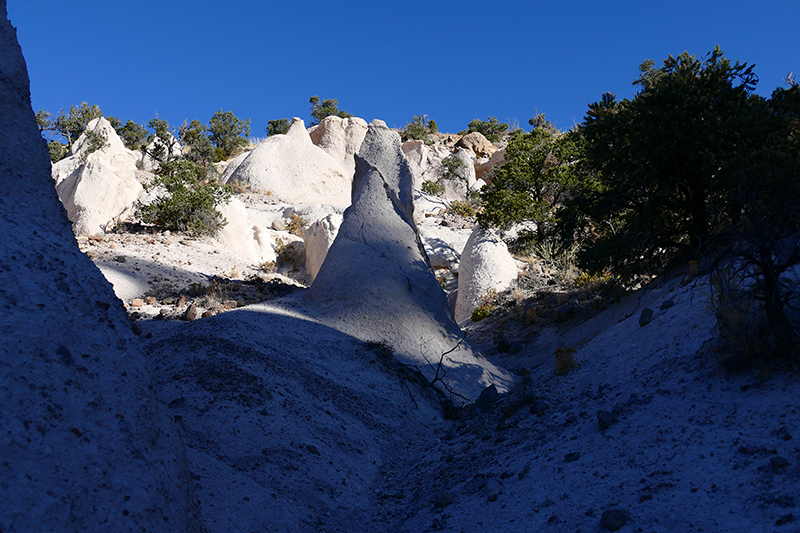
613 519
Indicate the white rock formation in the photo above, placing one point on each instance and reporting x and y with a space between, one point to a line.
98 188
485 264
101 126
424 161
295 171
484 165
394 298
478 144
318 238
298 130
85 444
240 236
341 138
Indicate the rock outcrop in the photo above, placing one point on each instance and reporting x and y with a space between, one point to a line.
97 188
295 171
478 144
238 235
425 162
341 138
298 130
395 299
485 264
484 165
85 444
318 238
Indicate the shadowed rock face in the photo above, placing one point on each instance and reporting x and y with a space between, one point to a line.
394 298
85 445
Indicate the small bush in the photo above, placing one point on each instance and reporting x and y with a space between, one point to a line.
462 209
454 168
281 246
488 304
296 225
97 140
57 151
325 108
419 128
190 200
267 267
279 126
565 360
492 128
433 188
741 322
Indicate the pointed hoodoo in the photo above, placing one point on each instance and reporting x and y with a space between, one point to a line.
376 284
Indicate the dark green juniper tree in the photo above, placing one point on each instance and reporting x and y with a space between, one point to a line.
491 128
228 133
325 108
279 126
541 172
696 165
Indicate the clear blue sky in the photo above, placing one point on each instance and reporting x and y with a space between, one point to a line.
454 61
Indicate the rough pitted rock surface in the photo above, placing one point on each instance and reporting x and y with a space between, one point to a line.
85 445
395 300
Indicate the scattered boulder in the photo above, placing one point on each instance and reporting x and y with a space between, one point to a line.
485 264
443 500
491 490
605 419
97 188
395 299
341 138
192 313
645 317
487 398
86 445
294 171
613 519
478 144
